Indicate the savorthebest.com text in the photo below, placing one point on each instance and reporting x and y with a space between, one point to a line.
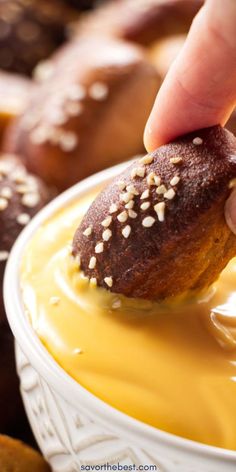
119 467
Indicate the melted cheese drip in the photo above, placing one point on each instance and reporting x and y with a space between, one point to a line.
173 367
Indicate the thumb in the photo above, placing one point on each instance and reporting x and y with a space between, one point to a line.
230 211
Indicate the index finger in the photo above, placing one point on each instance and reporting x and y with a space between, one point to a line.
200 88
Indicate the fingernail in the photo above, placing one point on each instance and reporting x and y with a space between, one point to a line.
230 212
147 137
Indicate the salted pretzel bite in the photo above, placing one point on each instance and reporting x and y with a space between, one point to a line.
158 229
100 92
30 31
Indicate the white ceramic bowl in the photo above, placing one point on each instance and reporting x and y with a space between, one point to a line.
74 428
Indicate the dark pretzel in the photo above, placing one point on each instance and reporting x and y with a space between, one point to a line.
31 31
89 114
158 229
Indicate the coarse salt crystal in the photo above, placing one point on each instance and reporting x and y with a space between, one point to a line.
132 214
122 217
175 180
30 199
76 92
126 231
107 221
146 159
145 194
106 235
161 189
99 248
129 205
197 141
93 281
121 184
6 192
98 91
108 281
92 262
148 221
126 197
23 219
4 256
87 231
3 204
145 206
176 160
160 210
169 194
140 171
68 141
131 188
113 208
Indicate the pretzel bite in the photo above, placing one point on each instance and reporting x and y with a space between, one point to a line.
158 230
30 31
15 456
89 114
140 21
21 197
14 94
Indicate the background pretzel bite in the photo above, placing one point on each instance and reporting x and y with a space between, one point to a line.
140 21
30 31
15 456
21 197
158 229
89 114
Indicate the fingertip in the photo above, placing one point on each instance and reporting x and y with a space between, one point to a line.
148 138
152 134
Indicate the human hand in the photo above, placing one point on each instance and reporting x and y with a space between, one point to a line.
200 88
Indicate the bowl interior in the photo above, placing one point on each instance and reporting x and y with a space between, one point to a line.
47 367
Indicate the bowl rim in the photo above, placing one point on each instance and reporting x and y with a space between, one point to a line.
51 371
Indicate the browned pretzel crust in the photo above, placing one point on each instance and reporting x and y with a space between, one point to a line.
158 229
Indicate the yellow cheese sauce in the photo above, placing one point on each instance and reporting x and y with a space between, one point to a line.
171 366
